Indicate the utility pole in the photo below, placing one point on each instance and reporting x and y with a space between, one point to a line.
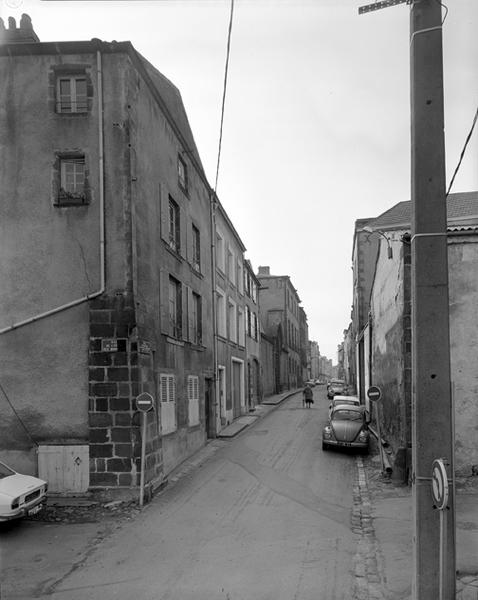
432 422
432 409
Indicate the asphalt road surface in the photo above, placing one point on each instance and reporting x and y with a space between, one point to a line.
265 517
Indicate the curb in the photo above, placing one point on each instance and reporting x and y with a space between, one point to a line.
368 563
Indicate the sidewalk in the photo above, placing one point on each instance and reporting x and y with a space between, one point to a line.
259 411
391 534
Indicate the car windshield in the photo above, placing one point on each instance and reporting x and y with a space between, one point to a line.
5 471
347 415
344 402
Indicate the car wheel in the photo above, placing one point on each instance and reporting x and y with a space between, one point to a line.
325 447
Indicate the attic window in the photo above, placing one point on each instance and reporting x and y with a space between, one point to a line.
71 94
182 174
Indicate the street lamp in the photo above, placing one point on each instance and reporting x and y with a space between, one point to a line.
368 229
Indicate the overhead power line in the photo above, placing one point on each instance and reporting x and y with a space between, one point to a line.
468 137
224 93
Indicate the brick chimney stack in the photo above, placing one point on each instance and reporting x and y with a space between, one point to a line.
18 35
264 270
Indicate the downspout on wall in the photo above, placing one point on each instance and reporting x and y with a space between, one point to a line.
78 301
217 403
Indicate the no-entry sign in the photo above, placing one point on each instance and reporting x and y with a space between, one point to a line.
144 402
374 393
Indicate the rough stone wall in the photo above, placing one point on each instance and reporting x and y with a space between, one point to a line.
115 382
387 343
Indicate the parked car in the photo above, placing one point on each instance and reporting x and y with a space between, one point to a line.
310 382
20 495
335 386
353 400
347 428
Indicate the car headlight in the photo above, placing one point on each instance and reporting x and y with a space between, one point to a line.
327 432
363 436
15 503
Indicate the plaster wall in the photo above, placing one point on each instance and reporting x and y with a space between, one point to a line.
154 150
50 256
463 291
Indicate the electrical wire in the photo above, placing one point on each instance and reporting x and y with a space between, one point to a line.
17 415
446 10
463 152
224 93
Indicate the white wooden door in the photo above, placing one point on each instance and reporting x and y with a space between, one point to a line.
65 468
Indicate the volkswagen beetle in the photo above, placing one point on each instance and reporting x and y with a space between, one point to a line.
347 428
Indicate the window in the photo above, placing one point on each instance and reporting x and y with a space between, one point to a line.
182 174
196 249
196 319
174 226
71 95
167 396
240 279
220 255
232 320
221 313
255 332
240 326
175 311
231 267
72 180
248 321
193 400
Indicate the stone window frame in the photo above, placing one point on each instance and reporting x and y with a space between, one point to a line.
62 197
183 181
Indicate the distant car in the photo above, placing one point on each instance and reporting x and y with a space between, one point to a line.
335 387
354 400
20 495
310 382
347 428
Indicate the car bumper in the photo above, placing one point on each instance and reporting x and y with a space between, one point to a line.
339 444
23 511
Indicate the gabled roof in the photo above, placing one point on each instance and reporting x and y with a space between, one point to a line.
461 207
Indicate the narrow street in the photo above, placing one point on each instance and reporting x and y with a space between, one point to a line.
265 516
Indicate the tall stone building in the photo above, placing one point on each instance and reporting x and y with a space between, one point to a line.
106 265
282 321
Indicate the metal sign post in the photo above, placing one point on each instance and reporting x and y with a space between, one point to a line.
440 496
144 403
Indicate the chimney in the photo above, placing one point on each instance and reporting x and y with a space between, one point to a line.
264 271
18 35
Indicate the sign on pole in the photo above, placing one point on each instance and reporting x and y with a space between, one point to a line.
144 402
439 484
374 393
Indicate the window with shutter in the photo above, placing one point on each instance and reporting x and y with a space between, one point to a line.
167 392
193 400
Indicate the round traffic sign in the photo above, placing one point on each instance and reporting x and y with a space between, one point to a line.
439 484
144 402
374 393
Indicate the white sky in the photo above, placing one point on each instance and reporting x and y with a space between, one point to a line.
317 121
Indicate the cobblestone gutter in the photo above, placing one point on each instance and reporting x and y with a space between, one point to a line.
369 573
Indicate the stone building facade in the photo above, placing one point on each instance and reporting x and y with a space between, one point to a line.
106 278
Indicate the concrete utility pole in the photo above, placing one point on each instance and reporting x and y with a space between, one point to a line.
432 422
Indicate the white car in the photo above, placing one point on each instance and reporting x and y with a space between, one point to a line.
20 495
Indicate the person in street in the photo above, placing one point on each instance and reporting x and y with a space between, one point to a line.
308 396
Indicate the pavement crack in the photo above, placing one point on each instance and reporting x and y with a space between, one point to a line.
49 588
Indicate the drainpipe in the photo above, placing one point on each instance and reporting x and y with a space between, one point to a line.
78 301
217 403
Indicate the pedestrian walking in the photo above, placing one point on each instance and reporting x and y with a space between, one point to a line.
308 396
